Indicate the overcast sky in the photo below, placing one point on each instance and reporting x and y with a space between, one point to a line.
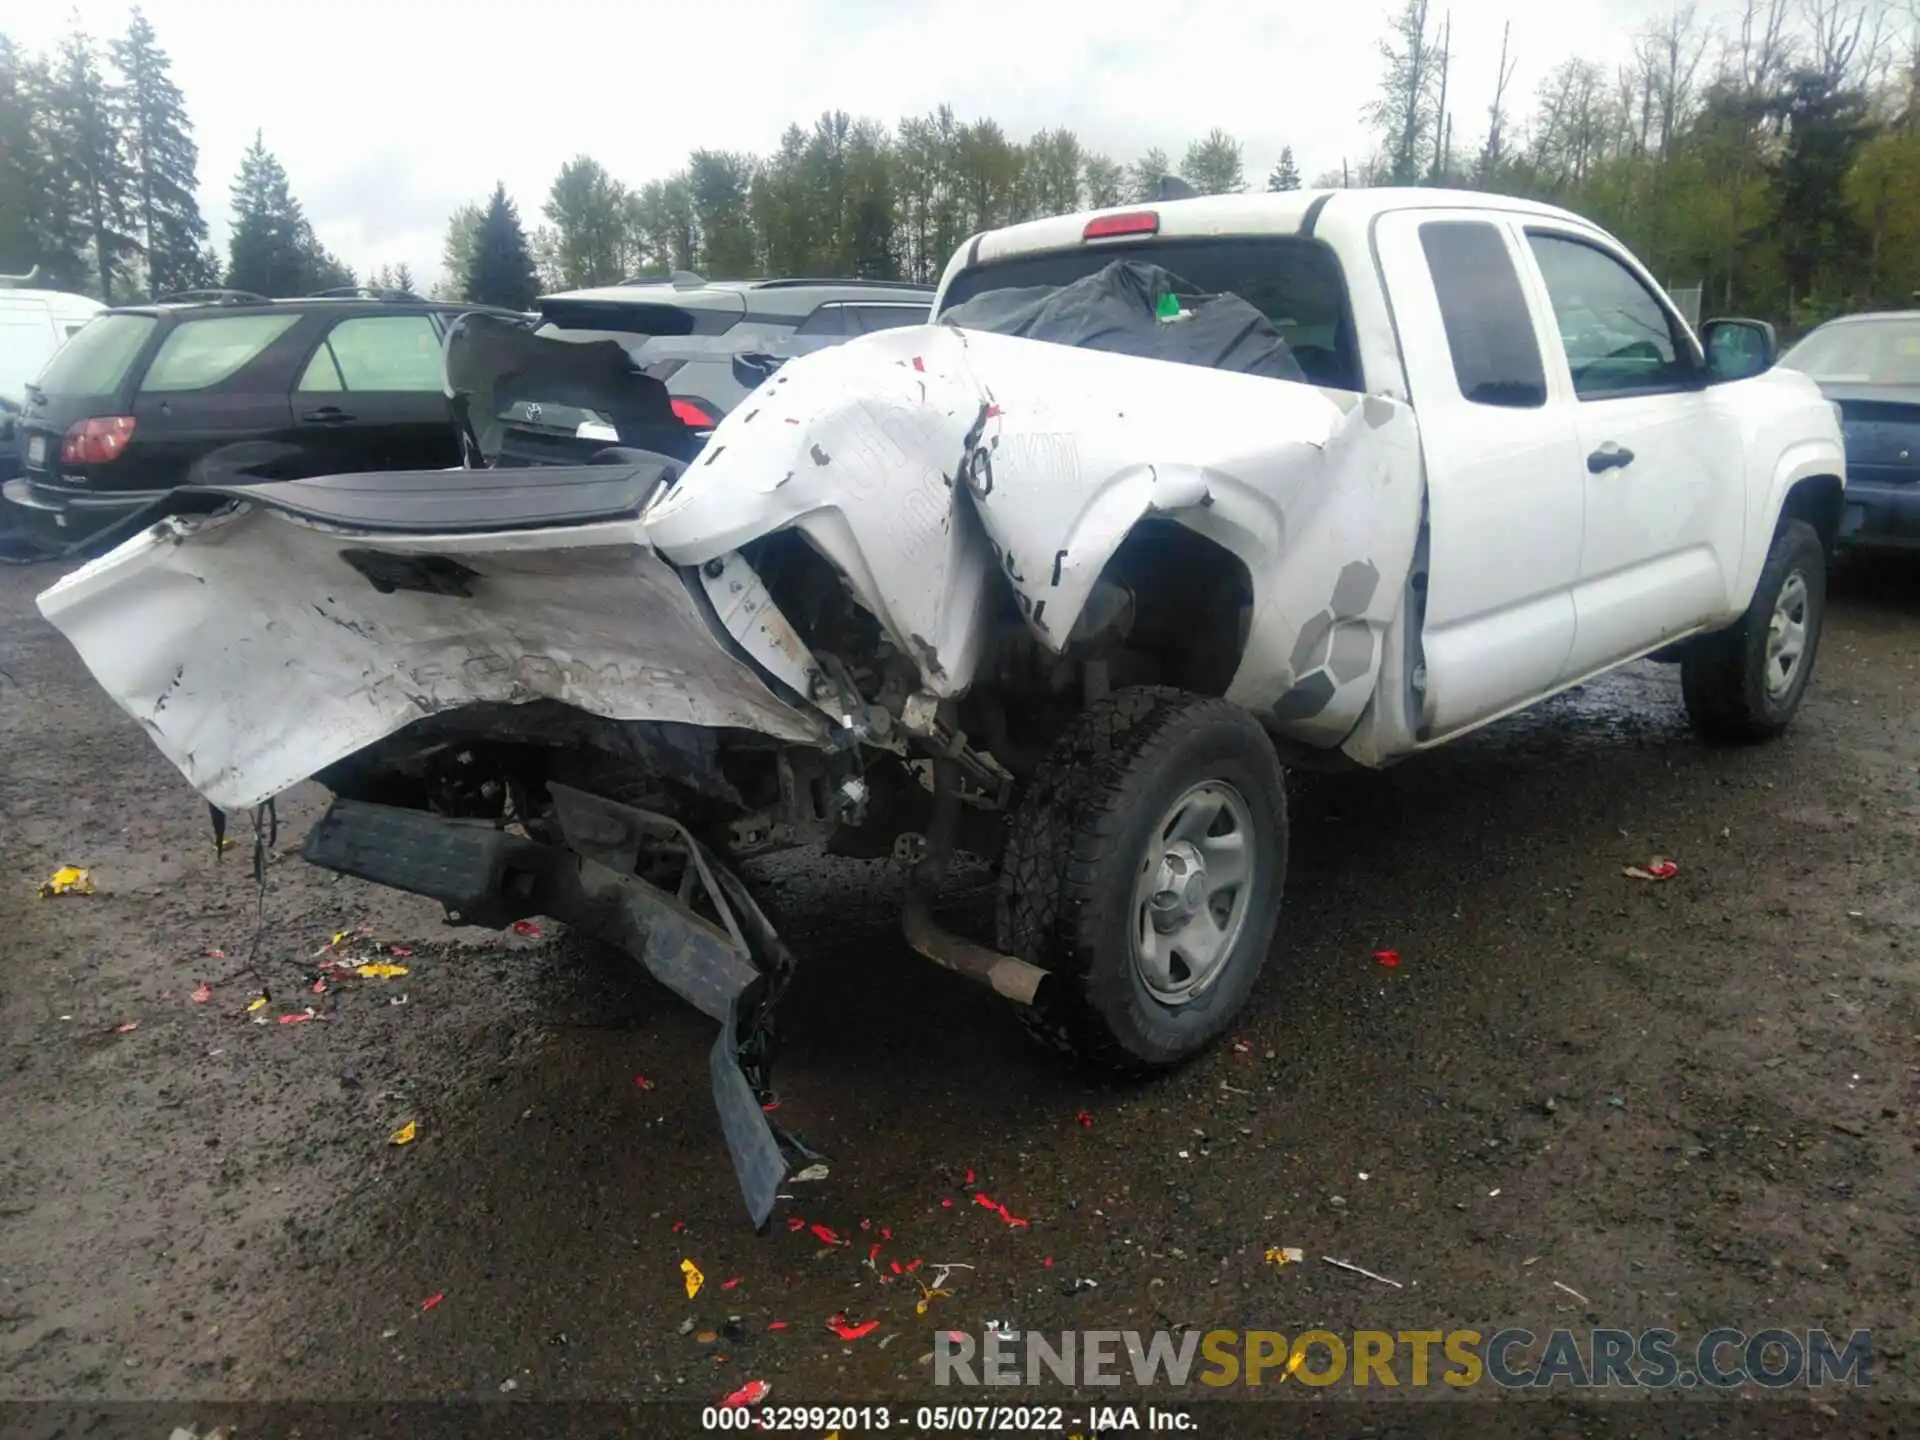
389 115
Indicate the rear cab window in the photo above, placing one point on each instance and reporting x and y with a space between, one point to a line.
200 353
96 360
1295 282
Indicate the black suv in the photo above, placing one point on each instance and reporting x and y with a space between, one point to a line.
208 384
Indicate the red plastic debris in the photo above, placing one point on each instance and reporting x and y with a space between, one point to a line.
400 950
840 1326
885 1233
751 1393
866 1224
947 1204
1084 1120
678 1226
914 1264
214 954
299 1019
1047 1264
919 364
319 987
525 927
126 1027
729 1284
994 1205
993 412
873 1254
969 1179
776 1325
643 1082
794 1222
827 1237
1243 1047
433 1300
769 1107
1388 958
897 1268
202 993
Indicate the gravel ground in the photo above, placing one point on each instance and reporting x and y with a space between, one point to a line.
1692 1103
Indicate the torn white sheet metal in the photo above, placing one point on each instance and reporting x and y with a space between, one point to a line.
1059 453
254 655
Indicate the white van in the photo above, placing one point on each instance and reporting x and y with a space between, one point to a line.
33 324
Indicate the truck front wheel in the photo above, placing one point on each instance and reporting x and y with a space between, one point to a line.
1144 870
1744 684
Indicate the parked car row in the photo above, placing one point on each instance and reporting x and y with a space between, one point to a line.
208 385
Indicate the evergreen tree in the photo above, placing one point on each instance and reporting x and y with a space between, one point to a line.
502 268
456 253
403 278
165 162
1286 175
22 166
90 170
273 250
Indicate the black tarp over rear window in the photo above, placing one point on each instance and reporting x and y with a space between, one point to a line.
1292 282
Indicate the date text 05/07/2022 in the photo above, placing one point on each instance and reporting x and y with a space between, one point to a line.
1094 1422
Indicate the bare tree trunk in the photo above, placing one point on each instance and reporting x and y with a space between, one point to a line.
1496 112
1440 115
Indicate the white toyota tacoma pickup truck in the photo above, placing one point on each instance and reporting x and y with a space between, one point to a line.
1166 499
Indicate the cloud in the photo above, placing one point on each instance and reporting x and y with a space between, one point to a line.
388 115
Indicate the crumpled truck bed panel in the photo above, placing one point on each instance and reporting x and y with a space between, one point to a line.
922 459
254 655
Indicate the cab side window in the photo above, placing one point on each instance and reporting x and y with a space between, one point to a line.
1619 339
1496 355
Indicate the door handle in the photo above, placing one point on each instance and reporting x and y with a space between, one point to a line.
327 415
1609 456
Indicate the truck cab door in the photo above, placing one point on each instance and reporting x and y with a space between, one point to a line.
1499 436
1662 457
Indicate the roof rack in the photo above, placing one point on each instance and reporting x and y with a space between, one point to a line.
362 292
844 282
211 297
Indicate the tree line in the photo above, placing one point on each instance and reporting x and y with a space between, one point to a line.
1771 154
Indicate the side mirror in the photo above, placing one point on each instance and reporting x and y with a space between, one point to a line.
1738 349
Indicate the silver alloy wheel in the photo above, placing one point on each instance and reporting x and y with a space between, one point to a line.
1787 634
1191 899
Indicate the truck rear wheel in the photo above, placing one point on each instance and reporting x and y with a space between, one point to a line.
1745 683
1144 870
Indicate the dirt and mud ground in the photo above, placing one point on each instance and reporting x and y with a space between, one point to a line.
1692 1103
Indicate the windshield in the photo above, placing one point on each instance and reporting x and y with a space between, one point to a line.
95 361
1295 283
1861 352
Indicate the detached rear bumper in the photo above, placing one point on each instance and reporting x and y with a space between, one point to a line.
60 518
732 972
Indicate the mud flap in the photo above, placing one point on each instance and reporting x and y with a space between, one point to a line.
732 972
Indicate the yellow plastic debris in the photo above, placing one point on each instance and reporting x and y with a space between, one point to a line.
67 880
404 1135
379 970
259 1002
694 1278
1284 1255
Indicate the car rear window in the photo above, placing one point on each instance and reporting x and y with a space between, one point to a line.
1296 283
1496 355
200 353
95 361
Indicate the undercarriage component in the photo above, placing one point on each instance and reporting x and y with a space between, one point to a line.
731 967
1015 979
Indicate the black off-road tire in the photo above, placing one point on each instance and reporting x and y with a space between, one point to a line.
1723 676
1074 849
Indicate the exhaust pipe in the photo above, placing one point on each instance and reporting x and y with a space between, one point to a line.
1015 979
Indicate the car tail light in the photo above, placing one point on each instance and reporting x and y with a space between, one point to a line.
693 414
96 441
1133 222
